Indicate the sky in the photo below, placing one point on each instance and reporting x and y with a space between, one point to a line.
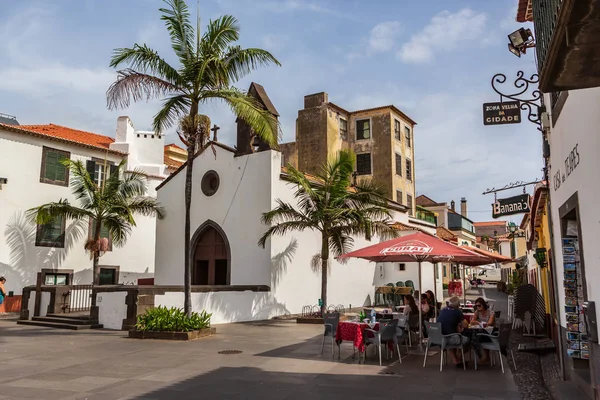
433 59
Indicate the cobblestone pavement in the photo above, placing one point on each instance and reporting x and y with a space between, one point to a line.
278 360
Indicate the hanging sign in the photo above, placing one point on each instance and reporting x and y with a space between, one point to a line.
508 112
512 205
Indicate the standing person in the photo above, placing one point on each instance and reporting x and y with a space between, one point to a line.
452 321
2 291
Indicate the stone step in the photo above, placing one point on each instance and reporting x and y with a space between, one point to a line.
84 317
59 325
61 320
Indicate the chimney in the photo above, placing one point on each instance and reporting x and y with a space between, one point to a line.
463 207
453 205
315 100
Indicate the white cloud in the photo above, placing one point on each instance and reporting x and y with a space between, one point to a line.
445 32
383 35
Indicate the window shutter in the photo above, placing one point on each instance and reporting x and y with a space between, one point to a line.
90 166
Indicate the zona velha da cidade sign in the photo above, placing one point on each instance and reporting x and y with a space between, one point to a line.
502 113
510 206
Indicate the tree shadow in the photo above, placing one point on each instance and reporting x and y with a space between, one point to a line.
280 262
26 259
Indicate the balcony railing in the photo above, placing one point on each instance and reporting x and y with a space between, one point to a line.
426 215
567 33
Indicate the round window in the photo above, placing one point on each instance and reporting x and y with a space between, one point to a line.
210 183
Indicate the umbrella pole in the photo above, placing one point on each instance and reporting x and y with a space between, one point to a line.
420 309
434 291
464 286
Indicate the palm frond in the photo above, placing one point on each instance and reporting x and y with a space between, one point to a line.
339 242
219 34
143 59
132 184
118 228
283 228
47 213
133 86
147 206
177 20
247 108
82 184
240 62
172 109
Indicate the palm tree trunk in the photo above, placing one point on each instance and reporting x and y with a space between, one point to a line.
187 276
324 266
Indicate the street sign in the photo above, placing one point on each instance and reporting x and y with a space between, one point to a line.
510 206
502 113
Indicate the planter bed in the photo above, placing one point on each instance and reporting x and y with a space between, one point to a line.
172 335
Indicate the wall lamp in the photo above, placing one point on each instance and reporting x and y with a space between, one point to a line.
520 41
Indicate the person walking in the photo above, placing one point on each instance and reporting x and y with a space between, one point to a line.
2 291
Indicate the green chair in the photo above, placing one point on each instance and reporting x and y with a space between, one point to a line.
400 284
411 285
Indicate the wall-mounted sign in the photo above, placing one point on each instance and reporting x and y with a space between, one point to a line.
571 162
512 205
508 112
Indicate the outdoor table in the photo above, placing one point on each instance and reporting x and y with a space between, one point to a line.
353 331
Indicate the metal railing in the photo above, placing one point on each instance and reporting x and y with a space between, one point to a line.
545 15
78 298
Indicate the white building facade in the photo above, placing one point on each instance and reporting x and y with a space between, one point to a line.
31 175
230 194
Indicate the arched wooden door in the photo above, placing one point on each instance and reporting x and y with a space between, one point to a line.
211 258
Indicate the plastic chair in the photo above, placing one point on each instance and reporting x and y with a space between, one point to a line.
330 322
499 343
437 339
400 284
385 334
402 331
411 285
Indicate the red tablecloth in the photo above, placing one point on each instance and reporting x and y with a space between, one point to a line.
468 316
353 332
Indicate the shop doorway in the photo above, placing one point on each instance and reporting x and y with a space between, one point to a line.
575 291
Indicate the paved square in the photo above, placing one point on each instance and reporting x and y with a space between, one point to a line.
279 360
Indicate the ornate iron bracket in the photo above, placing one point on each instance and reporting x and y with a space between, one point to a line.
512 185
530 101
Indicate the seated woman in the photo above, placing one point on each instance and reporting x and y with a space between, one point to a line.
410 305
483 314
427 310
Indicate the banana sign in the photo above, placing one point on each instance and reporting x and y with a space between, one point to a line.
510 206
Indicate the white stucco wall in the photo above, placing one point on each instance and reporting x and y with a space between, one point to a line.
44 303
112 309
577 127
20 259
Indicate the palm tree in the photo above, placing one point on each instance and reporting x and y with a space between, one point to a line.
329 204
111 206
209 65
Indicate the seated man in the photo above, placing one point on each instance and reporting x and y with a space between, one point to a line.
452 321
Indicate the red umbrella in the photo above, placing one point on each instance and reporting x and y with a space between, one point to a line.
417 247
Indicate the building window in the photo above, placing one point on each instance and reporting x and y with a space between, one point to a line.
51 234
408 169
56 279
343 129
363 129
104 233
398 164
445 268
109 275
399 196
402 267
99 170
52 171
407 135
409 204
397 129
210 183
363 164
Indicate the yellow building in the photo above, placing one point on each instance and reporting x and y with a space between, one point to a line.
382 138
539 244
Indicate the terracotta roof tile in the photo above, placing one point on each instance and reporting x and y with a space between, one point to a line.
425 201
403 227
174 145
525 11
490 223
445 234
169 162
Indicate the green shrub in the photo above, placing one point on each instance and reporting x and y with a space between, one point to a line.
163 319
445 286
